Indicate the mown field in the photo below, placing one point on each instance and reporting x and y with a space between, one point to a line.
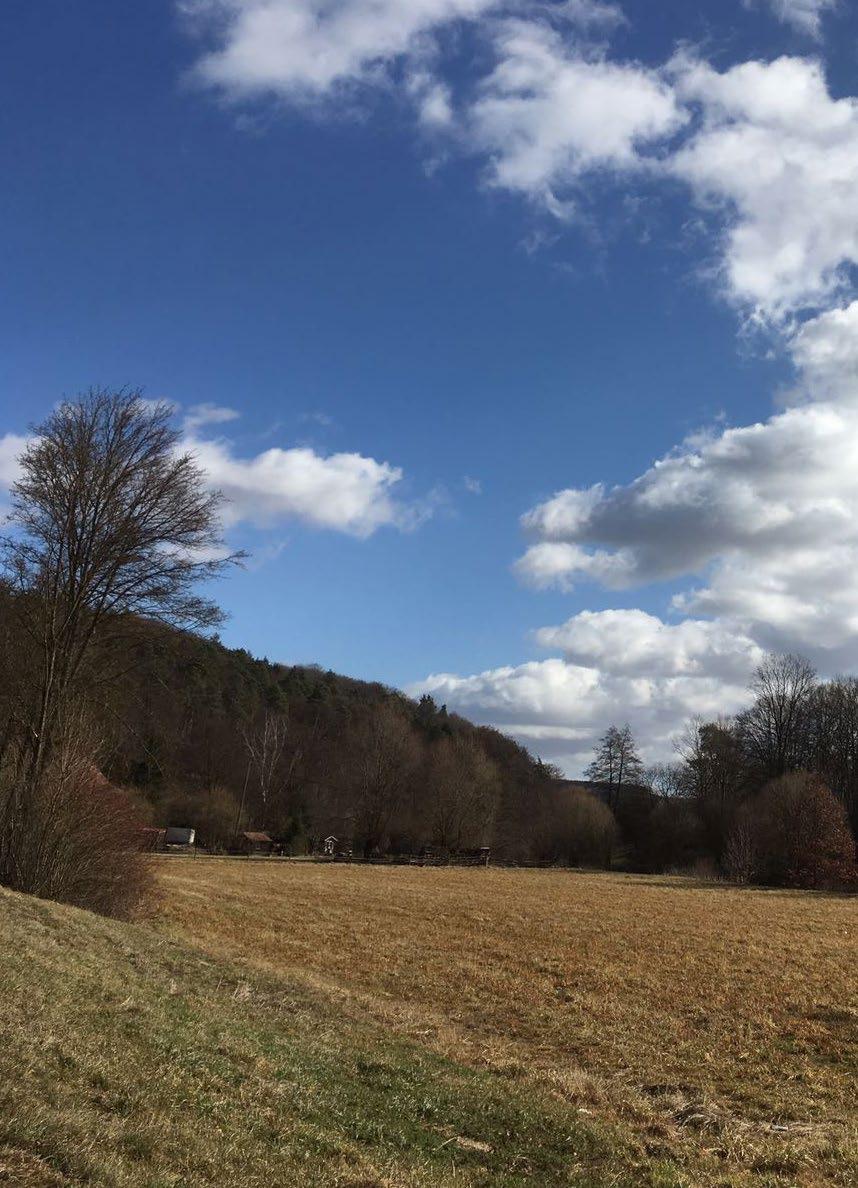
300 1024
711 1032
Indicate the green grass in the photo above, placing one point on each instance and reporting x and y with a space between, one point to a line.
130 1059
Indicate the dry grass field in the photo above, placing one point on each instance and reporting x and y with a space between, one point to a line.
128 1060
711 1032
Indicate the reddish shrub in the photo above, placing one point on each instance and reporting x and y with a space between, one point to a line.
80 841
795 834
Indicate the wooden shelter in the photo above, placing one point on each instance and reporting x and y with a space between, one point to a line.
255 843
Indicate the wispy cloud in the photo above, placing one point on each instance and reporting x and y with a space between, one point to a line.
208 414
804 15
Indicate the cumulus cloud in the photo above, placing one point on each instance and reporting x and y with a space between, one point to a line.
763 141
762 516
343 492
781 484
825 352
12 445
635 643
765 512
768 154
208 414
591 13
305 49
546 114
779 156
804 15
618 666
763 144
346 492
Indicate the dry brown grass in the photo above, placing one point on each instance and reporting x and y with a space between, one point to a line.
714 1026
131 1061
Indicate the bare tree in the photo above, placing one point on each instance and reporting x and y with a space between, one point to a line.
265 743
715 775
616 762
800 834
461 791
382 761
774 729
110 522
833 740
666 779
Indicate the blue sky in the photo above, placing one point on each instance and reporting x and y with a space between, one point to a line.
471 262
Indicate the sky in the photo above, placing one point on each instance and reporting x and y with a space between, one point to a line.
521 335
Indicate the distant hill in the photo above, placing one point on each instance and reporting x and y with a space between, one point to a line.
180 726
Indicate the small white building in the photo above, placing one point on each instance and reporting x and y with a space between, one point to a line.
179 836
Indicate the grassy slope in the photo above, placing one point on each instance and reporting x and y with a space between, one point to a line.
130 1059
710 1026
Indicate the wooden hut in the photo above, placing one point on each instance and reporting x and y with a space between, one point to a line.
255 843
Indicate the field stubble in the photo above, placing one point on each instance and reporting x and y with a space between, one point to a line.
713 1026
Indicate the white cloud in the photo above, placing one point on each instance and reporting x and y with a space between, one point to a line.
346 492
804 15
617 666
304 48
634 643
591 13
778 158
765 513
763 146
12 445
762 516
766 151
784 483
546 114
208 414
825 351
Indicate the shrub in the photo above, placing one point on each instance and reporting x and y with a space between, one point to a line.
740 853
795 834
79 841
579 830
672 839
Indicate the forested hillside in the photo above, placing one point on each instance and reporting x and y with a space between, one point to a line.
217 739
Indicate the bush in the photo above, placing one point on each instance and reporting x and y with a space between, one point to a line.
795 834
78 841
579 830
740 853
672 840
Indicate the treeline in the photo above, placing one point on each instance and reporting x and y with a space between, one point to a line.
768 796
214 739
221 741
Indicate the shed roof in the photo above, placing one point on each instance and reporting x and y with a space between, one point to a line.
256 837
